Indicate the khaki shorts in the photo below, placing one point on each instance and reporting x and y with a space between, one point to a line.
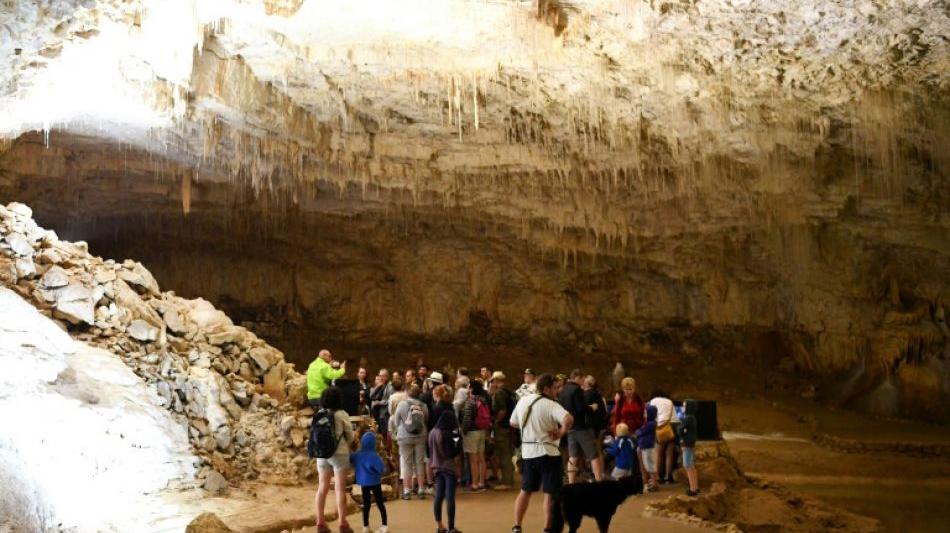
474 441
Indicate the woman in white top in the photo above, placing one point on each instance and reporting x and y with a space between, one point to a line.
665 415
337 465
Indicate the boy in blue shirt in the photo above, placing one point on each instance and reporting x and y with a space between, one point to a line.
369 468
622 449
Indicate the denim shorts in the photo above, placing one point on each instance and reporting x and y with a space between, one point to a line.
688 460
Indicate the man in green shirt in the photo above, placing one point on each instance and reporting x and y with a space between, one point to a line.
320 374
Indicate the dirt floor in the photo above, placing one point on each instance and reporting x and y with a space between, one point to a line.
905 492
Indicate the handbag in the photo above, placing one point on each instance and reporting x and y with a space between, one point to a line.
665 433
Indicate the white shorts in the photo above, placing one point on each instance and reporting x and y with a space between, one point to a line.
649 459
340 461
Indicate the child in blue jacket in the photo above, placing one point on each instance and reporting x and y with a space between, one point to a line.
622 449
646 447
369 468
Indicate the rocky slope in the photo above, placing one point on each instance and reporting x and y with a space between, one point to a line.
234 396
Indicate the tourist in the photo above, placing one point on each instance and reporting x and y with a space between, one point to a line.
503 402
379 402
320 375
665 434
445 465
409 429
646 444
400 393
337 465
581 441
422 374
369 469
410 378
542 422
600 420
628 406
528 386
622 450
485 372
687 436
462 384
462 393
441 395
431 381
476 421
364 390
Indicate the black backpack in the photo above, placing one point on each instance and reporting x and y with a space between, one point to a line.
323 440
451 443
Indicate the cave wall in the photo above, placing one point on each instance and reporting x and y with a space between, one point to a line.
855 298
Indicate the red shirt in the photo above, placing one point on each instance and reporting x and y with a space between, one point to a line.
630 413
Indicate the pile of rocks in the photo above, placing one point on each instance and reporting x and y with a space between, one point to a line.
244 406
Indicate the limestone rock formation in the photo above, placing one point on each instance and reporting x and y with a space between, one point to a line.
754 179
189 353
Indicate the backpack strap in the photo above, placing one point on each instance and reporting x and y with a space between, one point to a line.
528 416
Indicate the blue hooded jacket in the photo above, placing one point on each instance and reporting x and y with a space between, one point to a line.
646 435
622 450
367 464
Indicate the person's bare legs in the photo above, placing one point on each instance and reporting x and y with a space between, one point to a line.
340 492
670 451
597 466
644 476
572 469
693 478
484 468
521 506
322 490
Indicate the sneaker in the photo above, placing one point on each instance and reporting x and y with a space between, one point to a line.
653 488
516 529
366 529
430 490
323 528
382 529
406 495
453 530
479 489
692 493
345 528
421 494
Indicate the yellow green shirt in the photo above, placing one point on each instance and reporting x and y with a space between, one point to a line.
319 376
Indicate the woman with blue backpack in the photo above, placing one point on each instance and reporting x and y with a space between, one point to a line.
445 443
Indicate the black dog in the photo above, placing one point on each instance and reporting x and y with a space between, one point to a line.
598 500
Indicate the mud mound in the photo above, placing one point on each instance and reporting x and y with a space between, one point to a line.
733 501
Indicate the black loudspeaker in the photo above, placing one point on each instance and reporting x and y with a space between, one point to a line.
351 395
707 424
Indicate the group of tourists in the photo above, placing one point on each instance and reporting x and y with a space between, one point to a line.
474 433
